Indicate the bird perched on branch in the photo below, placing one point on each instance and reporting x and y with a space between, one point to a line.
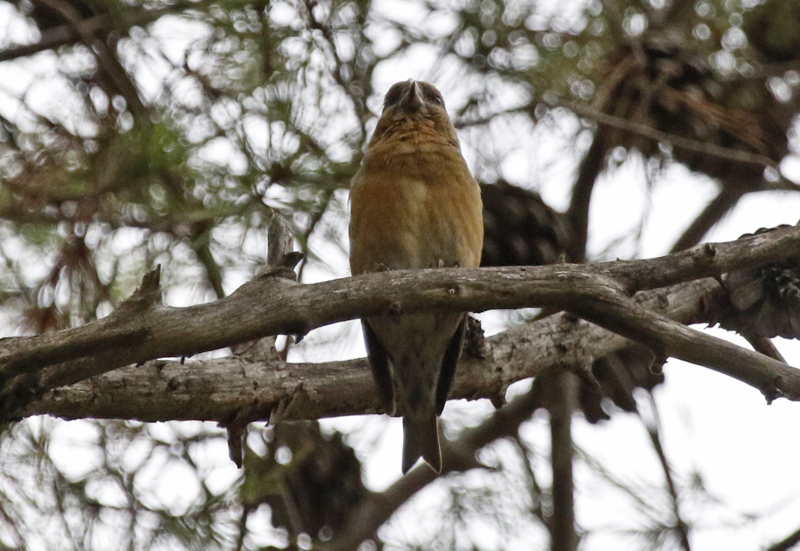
414 205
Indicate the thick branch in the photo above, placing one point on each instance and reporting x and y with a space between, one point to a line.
562 523
271 305
237 388
668 338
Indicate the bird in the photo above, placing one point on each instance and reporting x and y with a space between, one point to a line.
414 205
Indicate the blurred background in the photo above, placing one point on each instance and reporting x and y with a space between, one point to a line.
136 133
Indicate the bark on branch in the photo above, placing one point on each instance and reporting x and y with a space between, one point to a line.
142 329
237 388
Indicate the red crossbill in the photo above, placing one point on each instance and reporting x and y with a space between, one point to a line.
414 205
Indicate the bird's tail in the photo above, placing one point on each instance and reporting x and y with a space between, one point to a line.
421 439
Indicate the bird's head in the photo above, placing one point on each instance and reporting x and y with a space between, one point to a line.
412 102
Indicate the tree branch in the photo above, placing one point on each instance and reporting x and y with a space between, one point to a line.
562 524
237 388
787 543
706 148
141 329
70 33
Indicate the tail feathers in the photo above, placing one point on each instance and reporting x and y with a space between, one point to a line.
421 439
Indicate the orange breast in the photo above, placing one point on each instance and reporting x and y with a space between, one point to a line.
413 209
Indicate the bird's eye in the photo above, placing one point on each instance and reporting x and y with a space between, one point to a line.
432 95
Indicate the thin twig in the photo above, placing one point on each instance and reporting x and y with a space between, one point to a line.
787 543
654 431
713 150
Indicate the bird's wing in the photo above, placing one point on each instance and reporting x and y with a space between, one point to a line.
448 371
379 363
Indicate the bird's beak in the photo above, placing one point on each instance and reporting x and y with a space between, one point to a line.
412 98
